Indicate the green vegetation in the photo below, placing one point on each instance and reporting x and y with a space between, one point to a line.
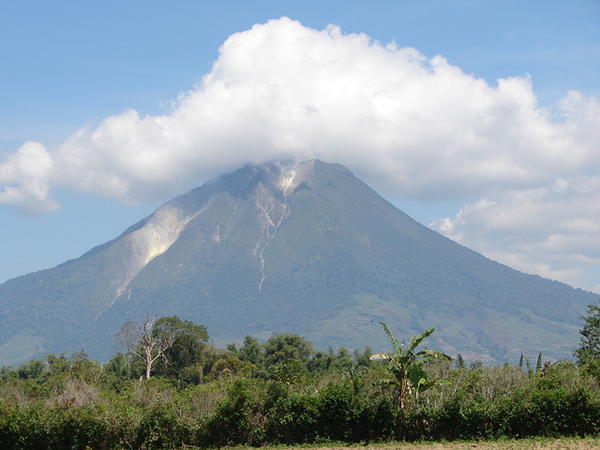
282 392
175 343
576 443
588 353
407 367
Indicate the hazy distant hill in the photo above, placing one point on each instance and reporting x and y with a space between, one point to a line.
289 247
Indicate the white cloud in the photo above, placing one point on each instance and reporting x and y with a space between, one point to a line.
24 178
552 231
412 127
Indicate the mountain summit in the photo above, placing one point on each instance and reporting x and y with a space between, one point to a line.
289 247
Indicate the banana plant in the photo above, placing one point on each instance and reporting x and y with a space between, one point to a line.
406 365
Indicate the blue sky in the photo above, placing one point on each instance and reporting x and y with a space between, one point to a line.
66 65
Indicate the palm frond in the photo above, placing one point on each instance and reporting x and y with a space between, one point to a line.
390 337
433 354
414 343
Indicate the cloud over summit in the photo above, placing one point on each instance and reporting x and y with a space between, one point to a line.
412 126
420 127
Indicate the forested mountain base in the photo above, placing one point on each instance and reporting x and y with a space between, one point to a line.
281 392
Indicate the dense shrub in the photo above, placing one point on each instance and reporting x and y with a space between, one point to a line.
239 418
79 404
159 428
292 416
78 428
22 427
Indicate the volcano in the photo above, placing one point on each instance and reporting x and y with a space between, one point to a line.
290 247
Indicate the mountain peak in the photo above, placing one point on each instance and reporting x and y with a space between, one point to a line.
280 175
270 182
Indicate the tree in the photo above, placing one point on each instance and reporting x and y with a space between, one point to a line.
119 365
32 369
286 346
407 366
321 362
140 341
362 358
188 345
589 347
251 351
231 365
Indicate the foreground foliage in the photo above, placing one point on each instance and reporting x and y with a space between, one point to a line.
406 365
588 353
573 443
283 392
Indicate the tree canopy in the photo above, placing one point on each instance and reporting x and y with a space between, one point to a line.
189 342
589 347
173 342
283 347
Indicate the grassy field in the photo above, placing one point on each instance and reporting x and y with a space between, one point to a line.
540 443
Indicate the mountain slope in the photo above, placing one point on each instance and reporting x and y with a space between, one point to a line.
287 247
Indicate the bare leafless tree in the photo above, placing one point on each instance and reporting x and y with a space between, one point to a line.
141 341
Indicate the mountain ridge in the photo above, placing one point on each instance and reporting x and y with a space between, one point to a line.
290 247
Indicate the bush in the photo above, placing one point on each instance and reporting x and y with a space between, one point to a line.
239 418
337 412
159 428
22 428
292 417
78 428
76 403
